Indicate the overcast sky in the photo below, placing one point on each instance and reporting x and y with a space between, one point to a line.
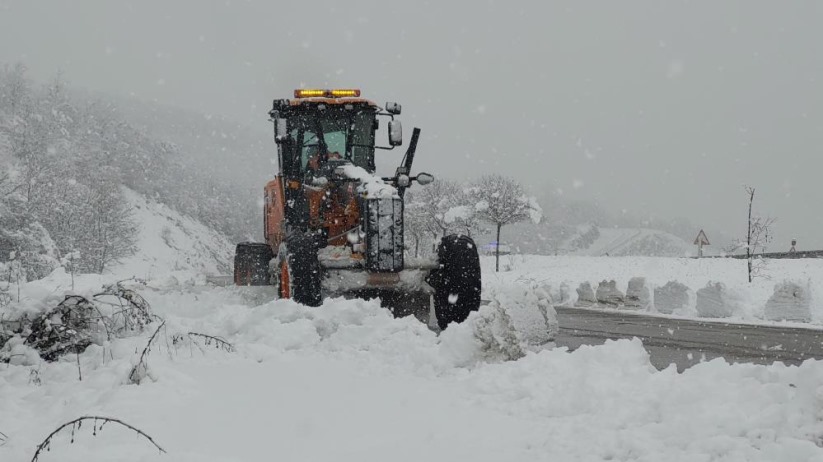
664 108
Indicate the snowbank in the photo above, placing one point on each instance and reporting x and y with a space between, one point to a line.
608 293
585 294
713 301
637 294
519 319
671 298
742 300
791 301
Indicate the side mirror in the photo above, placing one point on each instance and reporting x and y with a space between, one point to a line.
281 132
395 133
424 178
393 108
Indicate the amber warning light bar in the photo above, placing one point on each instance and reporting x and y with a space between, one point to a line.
316 93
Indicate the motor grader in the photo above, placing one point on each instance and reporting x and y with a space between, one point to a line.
333 227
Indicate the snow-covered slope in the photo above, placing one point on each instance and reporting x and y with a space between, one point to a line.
634 242
169 241
589 240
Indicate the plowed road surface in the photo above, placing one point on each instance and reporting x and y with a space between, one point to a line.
687 342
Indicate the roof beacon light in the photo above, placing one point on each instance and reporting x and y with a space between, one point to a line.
315 93
353 93
308 93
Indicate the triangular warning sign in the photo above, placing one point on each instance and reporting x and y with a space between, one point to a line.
701 239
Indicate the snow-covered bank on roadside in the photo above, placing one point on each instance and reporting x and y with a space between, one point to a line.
346 381
747 301
169 241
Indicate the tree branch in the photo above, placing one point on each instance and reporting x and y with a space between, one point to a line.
134 375
78 422
219 342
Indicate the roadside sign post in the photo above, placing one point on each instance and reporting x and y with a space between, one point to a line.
700 241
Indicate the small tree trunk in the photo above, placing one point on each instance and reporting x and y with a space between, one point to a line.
497 251
103 257
749 236
417 248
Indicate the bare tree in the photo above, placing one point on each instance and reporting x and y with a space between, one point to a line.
463 216
111 231
501 201
758 236
415 228
436 199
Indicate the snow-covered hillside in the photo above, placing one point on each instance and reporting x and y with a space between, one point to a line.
169 241
590 240
630 242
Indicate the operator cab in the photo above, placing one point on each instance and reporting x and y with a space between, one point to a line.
318 125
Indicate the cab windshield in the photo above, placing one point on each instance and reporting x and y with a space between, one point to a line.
344 135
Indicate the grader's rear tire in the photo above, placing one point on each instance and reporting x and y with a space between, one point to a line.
457 282
251 264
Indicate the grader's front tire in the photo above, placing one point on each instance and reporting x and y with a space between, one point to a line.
457 282
305 273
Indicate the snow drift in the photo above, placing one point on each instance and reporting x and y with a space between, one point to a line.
346 381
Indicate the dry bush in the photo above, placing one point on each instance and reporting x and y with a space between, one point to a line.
77 424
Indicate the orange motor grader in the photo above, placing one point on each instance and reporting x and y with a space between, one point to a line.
332 227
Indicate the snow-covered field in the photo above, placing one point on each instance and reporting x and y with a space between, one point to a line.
347 382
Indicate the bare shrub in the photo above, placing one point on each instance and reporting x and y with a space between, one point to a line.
77 424
216 341
132 313
68 328
77 322
140 370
